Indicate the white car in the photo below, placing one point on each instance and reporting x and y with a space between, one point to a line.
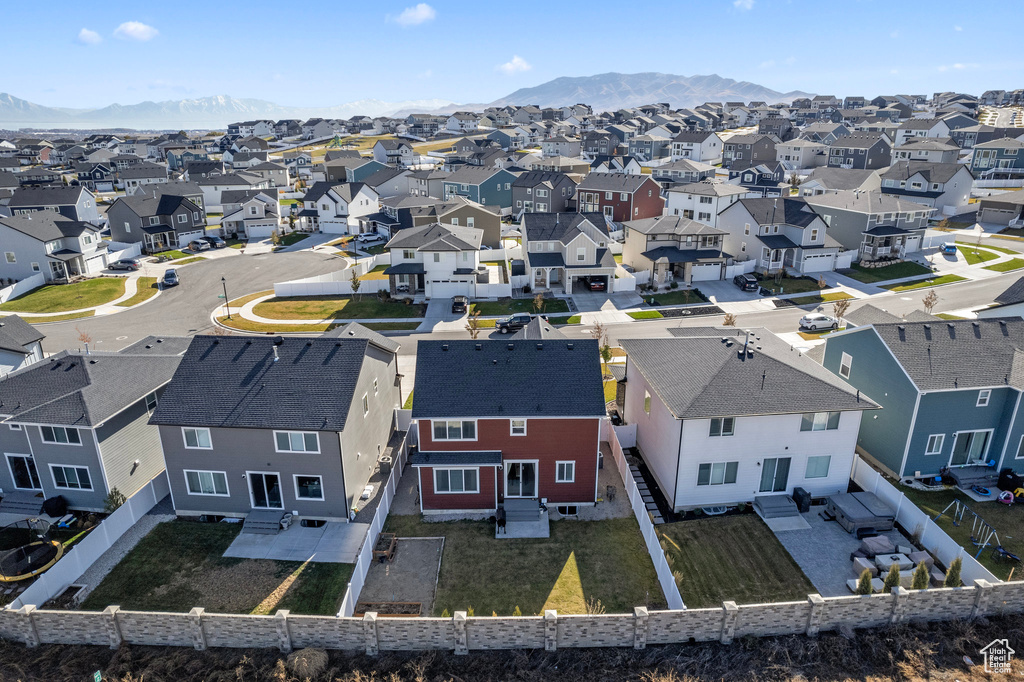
816 321
368 237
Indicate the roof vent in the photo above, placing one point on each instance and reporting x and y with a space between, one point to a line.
540 346
248 342
337 344
278 340
216 342
444 346
569 345
1002 323
511 346
479 346
901 327
494 361
976 324
725 339
92 362
148 346
927 326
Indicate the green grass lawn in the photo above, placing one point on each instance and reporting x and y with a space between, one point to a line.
925 283
572 319
646 315
407 405
59 298
828 297
365 306
947 316
174 254
58 318
180 565
986 245
391 326
507 306
680 297
894 271
244 325
609 391
973 256
732 558
618 258
581 561
1007 265
377 273
293 238
146 289
193 259
1007 521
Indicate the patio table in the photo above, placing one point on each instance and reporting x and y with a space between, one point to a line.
884 561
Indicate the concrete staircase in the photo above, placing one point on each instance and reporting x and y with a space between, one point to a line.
518 510
263 522
21 502
775 506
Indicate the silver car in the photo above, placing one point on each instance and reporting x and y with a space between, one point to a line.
816 321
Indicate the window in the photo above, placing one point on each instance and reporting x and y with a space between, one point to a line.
607 196
437 257
375 387
366 405
518 427
456 481
35 267
15 427
814 235
70 478
647 402
60 434
470 222
746 228
983 398
195 215
408 254
717 473
623 196
581 254
154 220
935 442
454 430
197 439
565 472
844 365
207 483
820 421
817 466
127 227
309 487
455 221
182 217
9 255
151 402
723 426
297 441
707 200
1020 449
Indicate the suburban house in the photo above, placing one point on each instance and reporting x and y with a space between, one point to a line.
765 179
393 152
398 213
672 247
939 185
703 201
334 208
1001 209
437 261
863 151
21 344
1010 303
997 159
567 250
140 175
927 149
98 177
487 186
649 147
876 224
682 171
214 185
620 196
74 203
743 151
276 174
950 393
701 146
542 192
559 145
758 418
51 245
250 213
389 182
427 183
783 233
824 132
827 179
800 153
921 127
535 441
159 222
76 424
278 425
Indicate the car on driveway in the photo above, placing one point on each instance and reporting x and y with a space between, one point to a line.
197 245
125 264
459 304
948 248
369 238
816 321
215 242
170 278
746 282
513 323
596 284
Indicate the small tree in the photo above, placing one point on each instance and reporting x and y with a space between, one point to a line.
892 578
470 612
822 284
929 301
840 308
473 324
864 582
600 333
729 320
920 581
356 283
517 612
538 304
953 574
275 237
114 499
85 338
606 357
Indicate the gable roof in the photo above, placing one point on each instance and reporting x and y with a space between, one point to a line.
508 379
539 329
354 330
45 196
16 333
771 211
867 202
840 178
1013 294
930 172
672 224
559 226
613 182
46 225
437 237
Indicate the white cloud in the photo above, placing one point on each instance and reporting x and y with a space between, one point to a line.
87 37
766 65
958 66
415 15
743 4
958 28
136 30
517 65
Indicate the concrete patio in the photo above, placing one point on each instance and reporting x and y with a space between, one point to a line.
331 543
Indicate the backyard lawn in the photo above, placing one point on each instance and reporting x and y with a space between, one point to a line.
244 325
60 298
180 565
365 306
146 289
925 283
681 297
507 306
894 271
1007 265
582 561
732 558
609 391
376 273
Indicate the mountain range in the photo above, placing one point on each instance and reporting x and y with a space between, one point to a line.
604 92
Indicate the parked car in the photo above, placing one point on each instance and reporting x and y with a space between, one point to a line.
197 245
368 237
746 282
170 278
459 304
816 321
125 264
596 283
215 242
948 248
513 323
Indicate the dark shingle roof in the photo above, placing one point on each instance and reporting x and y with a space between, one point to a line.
437 237
539 329
46 196
613 182
669 224
16 333
561 226
793 211
1014 294
354 330
508 379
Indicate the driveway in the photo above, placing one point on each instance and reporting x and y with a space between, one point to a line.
588 302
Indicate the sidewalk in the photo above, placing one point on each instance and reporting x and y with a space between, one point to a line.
131 287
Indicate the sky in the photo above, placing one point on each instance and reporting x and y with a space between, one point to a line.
318 53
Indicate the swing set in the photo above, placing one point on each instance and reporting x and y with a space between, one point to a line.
982 533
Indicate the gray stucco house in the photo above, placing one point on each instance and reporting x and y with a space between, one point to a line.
266 423
21 344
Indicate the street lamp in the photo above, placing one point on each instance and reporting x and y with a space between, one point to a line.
224 283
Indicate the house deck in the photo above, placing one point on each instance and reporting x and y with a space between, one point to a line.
968 476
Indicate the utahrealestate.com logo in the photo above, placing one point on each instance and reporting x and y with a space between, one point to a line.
998 655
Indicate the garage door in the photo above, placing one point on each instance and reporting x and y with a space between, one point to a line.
704 272
185 237
447 289
821 263
260 231
996 215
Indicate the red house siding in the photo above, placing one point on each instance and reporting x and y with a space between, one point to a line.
547 440
645 206
482 500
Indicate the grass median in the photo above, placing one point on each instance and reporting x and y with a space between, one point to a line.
57 318
924 284
361 307
59 298
1006 265
146 288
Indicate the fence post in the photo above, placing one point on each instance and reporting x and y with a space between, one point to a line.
461 639
817 603
284 638
113 627
982 595
28 628
370 633
195 621
900 603
640 620
550 630
730 614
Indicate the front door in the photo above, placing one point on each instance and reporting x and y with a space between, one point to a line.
969 447
23 471
520 479
774 474
265 491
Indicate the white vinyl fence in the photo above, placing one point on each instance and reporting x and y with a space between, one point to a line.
619 436
339 282
119 250
82 555
932 238
23 287
741 268
623 281
933 538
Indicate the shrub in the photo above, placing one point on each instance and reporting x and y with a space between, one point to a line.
864 582
892 578
953 574
113 500
920 581
674 285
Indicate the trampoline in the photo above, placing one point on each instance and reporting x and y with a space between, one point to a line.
26 550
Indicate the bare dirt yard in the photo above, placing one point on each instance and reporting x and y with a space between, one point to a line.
410 577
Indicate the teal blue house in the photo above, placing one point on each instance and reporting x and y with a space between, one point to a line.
487 186
950 392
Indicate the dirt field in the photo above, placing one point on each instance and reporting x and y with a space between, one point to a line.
412 576
932 652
